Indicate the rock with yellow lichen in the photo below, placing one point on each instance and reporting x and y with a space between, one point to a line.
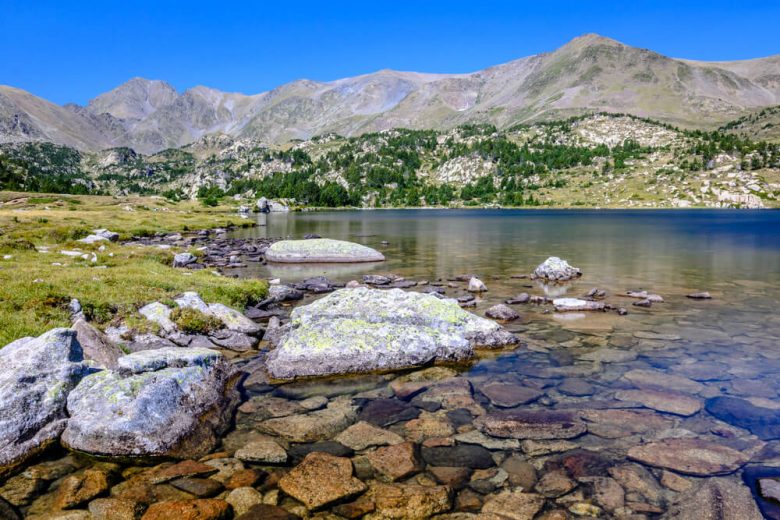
362 330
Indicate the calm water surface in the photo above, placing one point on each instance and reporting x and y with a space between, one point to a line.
702 351
728 346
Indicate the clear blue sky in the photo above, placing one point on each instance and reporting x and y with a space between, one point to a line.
72 51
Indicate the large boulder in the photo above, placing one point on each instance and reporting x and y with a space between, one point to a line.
171 402
360 330
37 375
322 250
556 269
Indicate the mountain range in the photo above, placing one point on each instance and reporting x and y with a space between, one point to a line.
590 73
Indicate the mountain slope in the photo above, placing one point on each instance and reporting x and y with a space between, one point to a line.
602 160
589 73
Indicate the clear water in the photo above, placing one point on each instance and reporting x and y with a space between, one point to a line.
727 346
730 344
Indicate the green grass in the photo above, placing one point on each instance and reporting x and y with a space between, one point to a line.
34 293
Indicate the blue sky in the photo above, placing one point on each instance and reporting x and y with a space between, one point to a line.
72 51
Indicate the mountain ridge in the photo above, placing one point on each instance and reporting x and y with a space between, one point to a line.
589 73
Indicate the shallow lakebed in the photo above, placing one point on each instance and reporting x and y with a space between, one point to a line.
662 411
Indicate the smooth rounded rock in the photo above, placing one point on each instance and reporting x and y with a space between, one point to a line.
321 250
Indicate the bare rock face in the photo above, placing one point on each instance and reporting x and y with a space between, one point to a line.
321 250
171 402
556 270
36 377
360 330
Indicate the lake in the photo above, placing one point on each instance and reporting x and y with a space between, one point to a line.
634 376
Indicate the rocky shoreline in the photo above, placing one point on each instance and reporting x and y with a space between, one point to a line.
189 419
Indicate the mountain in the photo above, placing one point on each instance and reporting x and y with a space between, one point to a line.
590 73
597 160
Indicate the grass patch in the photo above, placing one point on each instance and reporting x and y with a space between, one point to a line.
34 292
193 321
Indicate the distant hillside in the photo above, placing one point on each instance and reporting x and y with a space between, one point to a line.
599 160
590 73
762 125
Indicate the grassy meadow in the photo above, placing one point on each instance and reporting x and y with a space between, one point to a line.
37 281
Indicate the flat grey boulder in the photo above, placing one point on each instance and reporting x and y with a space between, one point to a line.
233 320
362 329
576 305
322 250
556 269
37 375
170 402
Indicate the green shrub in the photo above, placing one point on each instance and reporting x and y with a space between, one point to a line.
193 321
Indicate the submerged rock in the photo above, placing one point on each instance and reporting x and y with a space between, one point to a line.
37 375
360 330
555 269
531 424
322 250
320 480
171 402
762 422
689 456
715 499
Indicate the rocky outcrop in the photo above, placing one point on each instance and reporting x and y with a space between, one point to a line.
360 330
321 250
36 377
556 270
171 402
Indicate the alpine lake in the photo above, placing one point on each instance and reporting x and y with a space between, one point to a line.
681 400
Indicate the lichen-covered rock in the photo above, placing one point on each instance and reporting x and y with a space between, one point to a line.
171 402
360 330
37 375
234 320
556 269
160 314
321 250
